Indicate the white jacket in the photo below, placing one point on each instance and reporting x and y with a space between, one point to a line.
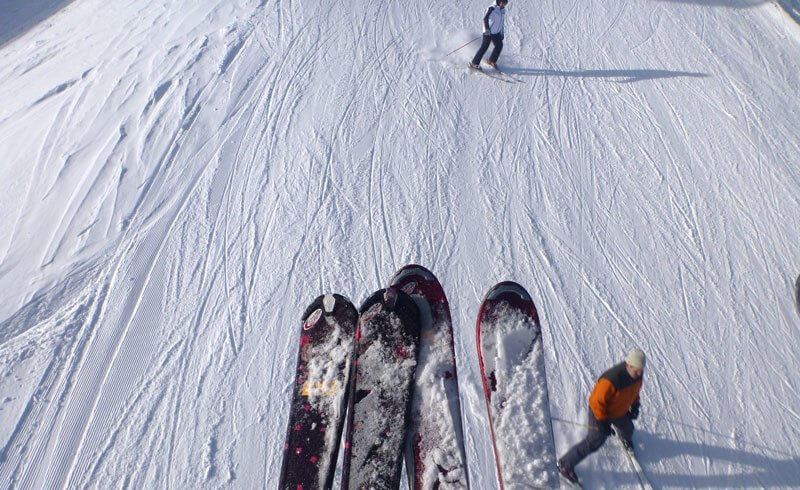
494 20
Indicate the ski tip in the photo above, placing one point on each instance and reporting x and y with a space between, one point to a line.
412 270
331 304
508 290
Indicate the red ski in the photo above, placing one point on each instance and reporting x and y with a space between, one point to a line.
511 357
435 455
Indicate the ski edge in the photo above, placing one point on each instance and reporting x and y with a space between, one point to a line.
644 483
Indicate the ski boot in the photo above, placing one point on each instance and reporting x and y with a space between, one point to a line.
568 474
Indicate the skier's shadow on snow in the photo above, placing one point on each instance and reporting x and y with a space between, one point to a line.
750 470
619 76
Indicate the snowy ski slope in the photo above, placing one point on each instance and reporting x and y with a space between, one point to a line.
179 180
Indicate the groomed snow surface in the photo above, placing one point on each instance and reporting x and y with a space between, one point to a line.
179 180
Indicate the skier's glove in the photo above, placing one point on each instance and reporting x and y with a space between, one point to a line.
633 413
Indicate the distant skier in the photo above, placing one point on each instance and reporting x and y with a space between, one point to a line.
614 401
493 32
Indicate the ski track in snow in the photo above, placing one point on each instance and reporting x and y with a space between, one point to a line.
175 193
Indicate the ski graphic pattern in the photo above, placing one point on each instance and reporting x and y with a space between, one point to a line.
435 455
317 411
511 358
387 340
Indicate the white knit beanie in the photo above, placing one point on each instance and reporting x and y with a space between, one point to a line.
636 359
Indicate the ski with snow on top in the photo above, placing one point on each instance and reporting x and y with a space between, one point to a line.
387 341
317 412
435 454
511 358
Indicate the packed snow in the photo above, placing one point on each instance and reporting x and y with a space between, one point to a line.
179 180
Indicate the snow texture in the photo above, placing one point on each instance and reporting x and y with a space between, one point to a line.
178 179
513 360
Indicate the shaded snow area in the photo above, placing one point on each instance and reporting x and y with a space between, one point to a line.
512 350
178 180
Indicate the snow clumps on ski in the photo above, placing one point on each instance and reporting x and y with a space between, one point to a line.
387 340
435 456
511 358
317 413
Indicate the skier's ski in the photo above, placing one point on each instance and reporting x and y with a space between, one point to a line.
435 454
488 74
644 483
317 412
387 339
506 74
511 358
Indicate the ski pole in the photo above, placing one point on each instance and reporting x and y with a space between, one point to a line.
460 47
587 426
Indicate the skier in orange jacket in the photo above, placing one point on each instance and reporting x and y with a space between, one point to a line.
614 401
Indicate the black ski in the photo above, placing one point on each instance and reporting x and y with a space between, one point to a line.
381 388
317 413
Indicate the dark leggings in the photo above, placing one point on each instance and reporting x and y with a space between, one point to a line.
598 432
495 39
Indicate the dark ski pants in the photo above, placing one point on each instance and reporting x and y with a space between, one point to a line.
598 432
497 40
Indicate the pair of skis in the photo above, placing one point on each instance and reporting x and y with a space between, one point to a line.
396 360
495 73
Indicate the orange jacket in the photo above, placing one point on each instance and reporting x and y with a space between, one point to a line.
614 393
